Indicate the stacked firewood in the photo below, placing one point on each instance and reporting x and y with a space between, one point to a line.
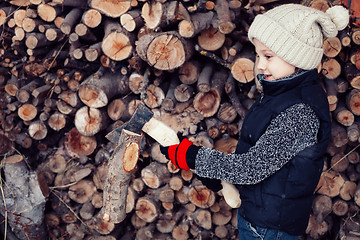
72 71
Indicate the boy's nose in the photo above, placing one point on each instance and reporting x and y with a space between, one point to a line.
260 64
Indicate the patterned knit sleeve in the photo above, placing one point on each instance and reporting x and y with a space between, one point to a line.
290 132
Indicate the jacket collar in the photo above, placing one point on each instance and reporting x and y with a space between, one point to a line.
276 87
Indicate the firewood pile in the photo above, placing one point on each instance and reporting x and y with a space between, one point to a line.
72 71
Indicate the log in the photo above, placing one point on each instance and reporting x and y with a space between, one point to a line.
164 51
37 130
188 28
331 68
332 47
242 67
339 162
131 20
322 207
96 92
183 92
189 72
170 101
47 12
344 116
340 207
347 190
225 24
201 196
208 103
24 212
154 96
90 121
110 8
82 191
147 209
27 112
78 145
231 92
203 81
121 164
330 183
155 175
226 113
91 18
352 75
117 44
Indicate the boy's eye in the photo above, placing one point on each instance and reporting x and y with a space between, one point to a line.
268 56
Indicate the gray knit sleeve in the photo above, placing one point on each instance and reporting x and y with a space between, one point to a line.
290 132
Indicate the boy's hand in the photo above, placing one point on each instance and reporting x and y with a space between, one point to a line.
177 153
181 155
212 184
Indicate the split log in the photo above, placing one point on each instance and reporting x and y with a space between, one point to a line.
315 229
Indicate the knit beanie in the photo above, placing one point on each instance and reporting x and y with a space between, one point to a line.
295 32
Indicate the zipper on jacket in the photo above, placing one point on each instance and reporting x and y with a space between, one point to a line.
261 97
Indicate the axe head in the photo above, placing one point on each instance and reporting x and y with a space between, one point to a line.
141 116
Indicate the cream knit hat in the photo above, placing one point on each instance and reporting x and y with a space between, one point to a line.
295 32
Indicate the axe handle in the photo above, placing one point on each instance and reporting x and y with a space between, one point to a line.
162 133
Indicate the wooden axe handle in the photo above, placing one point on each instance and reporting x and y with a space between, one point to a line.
162 133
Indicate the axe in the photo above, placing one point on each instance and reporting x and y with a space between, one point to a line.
143 120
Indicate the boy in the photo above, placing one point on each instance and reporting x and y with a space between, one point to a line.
279 156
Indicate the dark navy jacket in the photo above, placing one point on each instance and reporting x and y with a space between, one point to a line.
283 201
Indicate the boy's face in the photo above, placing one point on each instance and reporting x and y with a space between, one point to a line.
269 64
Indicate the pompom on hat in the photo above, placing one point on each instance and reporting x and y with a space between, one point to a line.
295 32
